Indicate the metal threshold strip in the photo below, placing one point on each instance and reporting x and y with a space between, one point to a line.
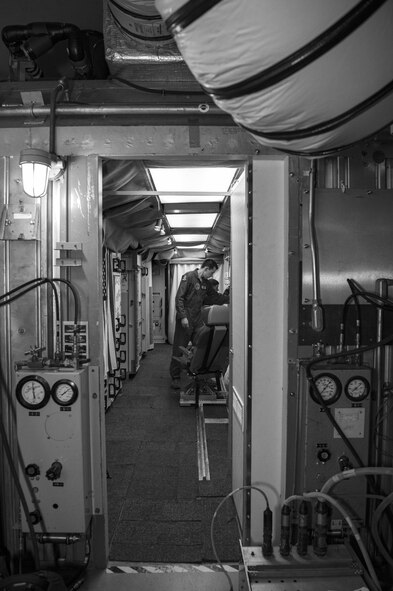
202 452
203 457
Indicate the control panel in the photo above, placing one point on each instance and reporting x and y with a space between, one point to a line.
52 414
346 392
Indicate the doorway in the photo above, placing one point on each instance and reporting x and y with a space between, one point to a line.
145 472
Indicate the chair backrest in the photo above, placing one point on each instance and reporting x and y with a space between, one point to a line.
211 350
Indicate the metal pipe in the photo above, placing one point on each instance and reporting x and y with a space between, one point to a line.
35 112
382 370
58 538
52 111
317 311
49 220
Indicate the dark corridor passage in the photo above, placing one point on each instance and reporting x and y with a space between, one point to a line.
159 510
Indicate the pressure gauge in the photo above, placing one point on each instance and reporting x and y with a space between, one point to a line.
64 392
328 386
357 388
33 392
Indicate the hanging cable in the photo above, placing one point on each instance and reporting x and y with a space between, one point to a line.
33 283
370 297
15 478
161 91
228 496
354 297
347 517
383 506
336 478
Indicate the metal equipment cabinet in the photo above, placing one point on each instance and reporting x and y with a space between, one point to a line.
131 304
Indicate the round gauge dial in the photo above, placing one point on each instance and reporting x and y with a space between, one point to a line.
328 386
33 392
357 388
64 392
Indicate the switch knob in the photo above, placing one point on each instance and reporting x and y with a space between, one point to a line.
53 473
32 470
324 455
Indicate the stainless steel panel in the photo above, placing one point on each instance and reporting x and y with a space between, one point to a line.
238 360
355 240
338 570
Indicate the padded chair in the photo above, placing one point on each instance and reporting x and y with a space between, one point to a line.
207 360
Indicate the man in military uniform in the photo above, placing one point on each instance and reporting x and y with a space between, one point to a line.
194 292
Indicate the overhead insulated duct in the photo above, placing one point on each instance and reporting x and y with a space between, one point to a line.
308 76
220 237
130 212
139 48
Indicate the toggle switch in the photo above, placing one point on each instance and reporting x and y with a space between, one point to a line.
53 473
344 463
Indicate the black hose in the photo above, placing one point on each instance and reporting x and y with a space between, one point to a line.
344 315
37 282
14 474
162 91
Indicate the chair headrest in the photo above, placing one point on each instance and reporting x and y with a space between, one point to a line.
213 315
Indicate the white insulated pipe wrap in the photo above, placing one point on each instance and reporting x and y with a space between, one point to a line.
341 95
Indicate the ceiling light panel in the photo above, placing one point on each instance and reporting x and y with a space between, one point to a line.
200 220
192 179
190 238
193 246
192 198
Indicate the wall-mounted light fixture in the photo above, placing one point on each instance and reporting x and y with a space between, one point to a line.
39 166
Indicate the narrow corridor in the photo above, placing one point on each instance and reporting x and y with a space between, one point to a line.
159 510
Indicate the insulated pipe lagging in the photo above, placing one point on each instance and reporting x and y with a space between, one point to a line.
366 471
307 78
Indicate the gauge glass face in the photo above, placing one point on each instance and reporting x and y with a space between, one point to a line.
32 392
328 387
64 392
357 388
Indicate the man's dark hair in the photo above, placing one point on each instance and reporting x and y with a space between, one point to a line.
210 264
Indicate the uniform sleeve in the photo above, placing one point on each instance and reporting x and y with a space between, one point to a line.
180 298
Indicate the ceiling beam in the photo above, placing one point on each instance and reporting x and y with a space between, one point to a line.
201 207
189 230
158 193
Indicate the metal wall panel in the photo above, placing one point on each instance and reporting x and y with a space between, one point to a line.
81 213
238 350
355 240
269 335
